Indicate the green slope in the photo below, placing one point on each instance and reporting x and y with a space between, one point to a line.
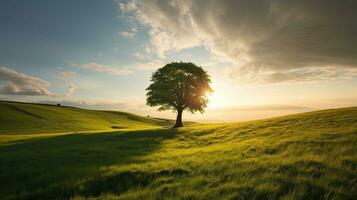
304 156
24 118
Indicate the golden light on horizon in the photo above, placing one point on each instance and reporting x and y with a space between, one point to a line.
214 101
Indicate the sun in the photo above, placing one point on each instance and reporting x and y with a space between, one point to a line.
213 100
207 94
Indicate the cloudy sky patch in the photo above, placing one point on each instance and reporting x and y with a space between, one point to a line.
21 84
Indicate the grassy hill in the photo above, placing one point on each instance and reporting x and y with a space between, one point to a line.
28 118
304 156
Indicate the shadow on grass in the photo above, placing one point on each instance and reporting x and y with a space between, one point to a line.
51 167
123 181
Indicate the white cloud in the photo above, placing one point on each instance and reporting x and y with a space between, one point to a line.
66 74
306 74
123 70
129 34
151 65
139 56
104 68
71 89
170 26
256 36
22 84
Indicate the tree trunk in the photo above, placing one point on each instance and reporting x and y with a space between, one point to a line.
179 119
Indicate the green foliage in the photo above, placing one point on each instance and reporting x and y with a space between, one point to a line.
179 86
304 156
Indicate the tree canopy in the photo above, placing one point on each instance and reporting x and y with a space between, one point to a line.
179 86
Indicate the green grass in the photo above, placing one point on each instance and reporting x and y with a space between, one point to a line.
39 118
304 156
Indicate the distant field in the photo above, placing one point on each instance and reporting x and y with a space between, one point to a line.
50 152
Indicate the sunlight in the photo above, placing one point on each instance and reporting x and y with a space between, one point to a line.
207 94
214 100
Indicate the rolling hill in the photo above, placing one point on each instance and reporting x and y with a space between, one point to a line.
43 118
304 156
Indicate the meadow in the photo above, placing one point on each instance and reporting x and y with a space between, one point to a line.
57 152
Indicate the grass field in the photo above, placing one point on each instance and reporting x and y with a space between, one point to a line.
49 152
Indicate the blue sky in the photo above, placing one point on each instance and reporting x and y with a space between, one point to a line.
42 37
100 54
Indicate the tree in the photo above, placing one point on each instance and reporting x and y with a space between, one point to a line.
179 86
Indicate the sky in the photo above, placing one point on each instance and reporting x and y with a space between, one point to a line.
265 57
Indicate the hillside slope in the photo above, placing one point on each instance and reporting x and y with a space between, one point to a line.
24 118
304 156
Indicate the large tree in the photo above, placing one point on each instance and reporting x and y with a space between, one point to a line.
179 86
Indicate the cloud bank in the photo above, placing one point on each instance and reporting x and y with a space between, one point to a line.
274 40
22 84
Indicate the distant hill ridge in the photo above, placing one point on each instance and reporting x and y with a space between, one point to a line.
16 117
